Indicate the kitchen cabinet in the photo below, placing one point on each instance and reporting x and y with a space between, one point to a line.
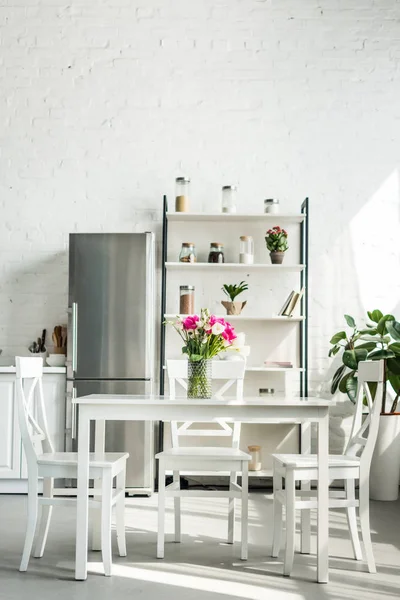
13 471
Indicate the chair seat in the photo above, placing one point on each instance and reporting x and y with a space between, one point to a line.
205 453
310 461
100 460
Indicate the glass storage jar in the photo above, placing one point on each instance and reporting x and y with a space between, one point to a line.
182 188
266 392
246 250
229 198
216 254
271 205
188 253
255 462
186 299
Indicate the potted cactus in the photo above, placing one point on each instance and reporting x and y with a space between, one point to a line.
276 240
232 292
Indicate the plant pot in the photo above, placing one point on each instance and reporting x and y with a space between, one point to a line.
199 382
385 465
277 257
233 308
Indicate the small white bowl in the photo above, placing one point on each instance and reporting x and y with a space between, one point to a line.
56 360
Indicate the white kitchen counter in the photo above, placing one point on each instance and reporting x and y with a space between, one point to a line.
45 369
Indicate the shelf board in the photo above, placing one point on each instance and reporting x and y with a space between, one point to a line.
274 369
236 266
226 217
276 319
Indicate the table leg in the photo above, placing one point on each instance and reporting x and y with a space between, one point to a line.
305 514
82 503
323 498
99 446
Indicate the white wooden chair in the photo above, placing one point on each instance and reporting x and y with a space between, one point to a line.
42 461
354 464
197 460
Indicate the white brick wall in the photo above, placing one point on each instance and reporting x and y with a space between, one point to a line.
104 102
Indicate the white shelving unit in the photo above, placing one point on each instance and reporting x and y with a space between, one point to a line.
271 337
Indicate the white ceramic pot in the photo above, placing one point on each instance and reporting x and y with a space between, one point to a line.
385 465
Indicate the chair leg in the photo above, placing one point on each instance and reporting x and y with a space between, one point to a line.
231 513
45 518
106 512
31 522
245 510
161 509
305 528
351 514
277 531
365 526
177 509
120 513
290 522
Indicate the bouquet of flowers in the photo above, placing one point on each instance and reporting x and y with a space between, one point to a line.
204 336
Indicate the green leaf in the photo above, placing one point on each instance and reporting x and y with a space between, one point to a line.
394 382
381 327
334 350
375 315
369 331
367 346
184 350
395 347
393 328
393 365
350 321
341 335
336 378
372 388
351 358
381 353
342 384
351 388
195 357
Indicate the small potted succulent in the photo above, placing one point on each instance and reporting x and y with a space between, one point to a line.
233 291
276 240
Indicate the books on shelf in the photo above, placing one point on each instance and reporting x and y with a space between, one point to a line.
291 302
278 364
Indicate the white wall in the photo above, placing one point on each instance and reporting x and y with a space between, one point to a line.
103 103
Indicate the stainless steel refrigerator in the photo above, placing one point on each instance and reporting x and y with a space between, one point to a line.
111 338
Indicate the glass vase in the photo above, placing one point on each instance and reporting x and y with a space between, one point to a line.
199 379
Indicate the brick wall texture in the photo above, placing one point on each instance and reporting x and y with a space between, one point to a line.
104 102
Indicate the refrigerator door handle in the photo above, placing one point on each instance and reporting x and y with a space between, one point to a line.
73 415
74 310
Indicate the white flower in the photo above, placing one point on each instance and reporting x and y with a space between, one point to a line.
178 324
217 328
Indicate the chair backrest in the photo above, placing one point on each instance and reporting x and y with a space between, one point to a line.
31 415
364 432
232 371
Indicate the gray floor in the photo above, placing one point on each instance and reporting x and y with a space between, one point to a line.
202 566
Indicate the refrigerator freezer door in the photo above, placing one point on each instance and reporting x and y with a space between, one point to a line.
111 306
135 437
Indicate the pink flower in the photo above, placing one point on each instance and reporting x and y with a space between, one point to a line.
190 322
229 334
213 319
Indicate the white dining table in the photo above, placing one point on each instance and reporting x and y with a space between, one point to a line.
285 409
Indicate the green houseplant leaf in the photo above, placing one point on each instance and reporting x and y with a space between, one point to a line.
393 328
336 378
381 353
351 358
348 385
334 350
367 346
341 335
382 325
350 321
393 365
395 347
375 315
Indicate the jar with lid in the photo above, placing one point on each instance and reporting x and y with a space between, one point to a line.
271 205
188 253
216 254
182 188
255 462
186 299
229 198
246 250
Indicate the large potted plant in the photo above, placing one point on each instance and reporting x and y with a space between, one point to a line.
380 339
204 337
